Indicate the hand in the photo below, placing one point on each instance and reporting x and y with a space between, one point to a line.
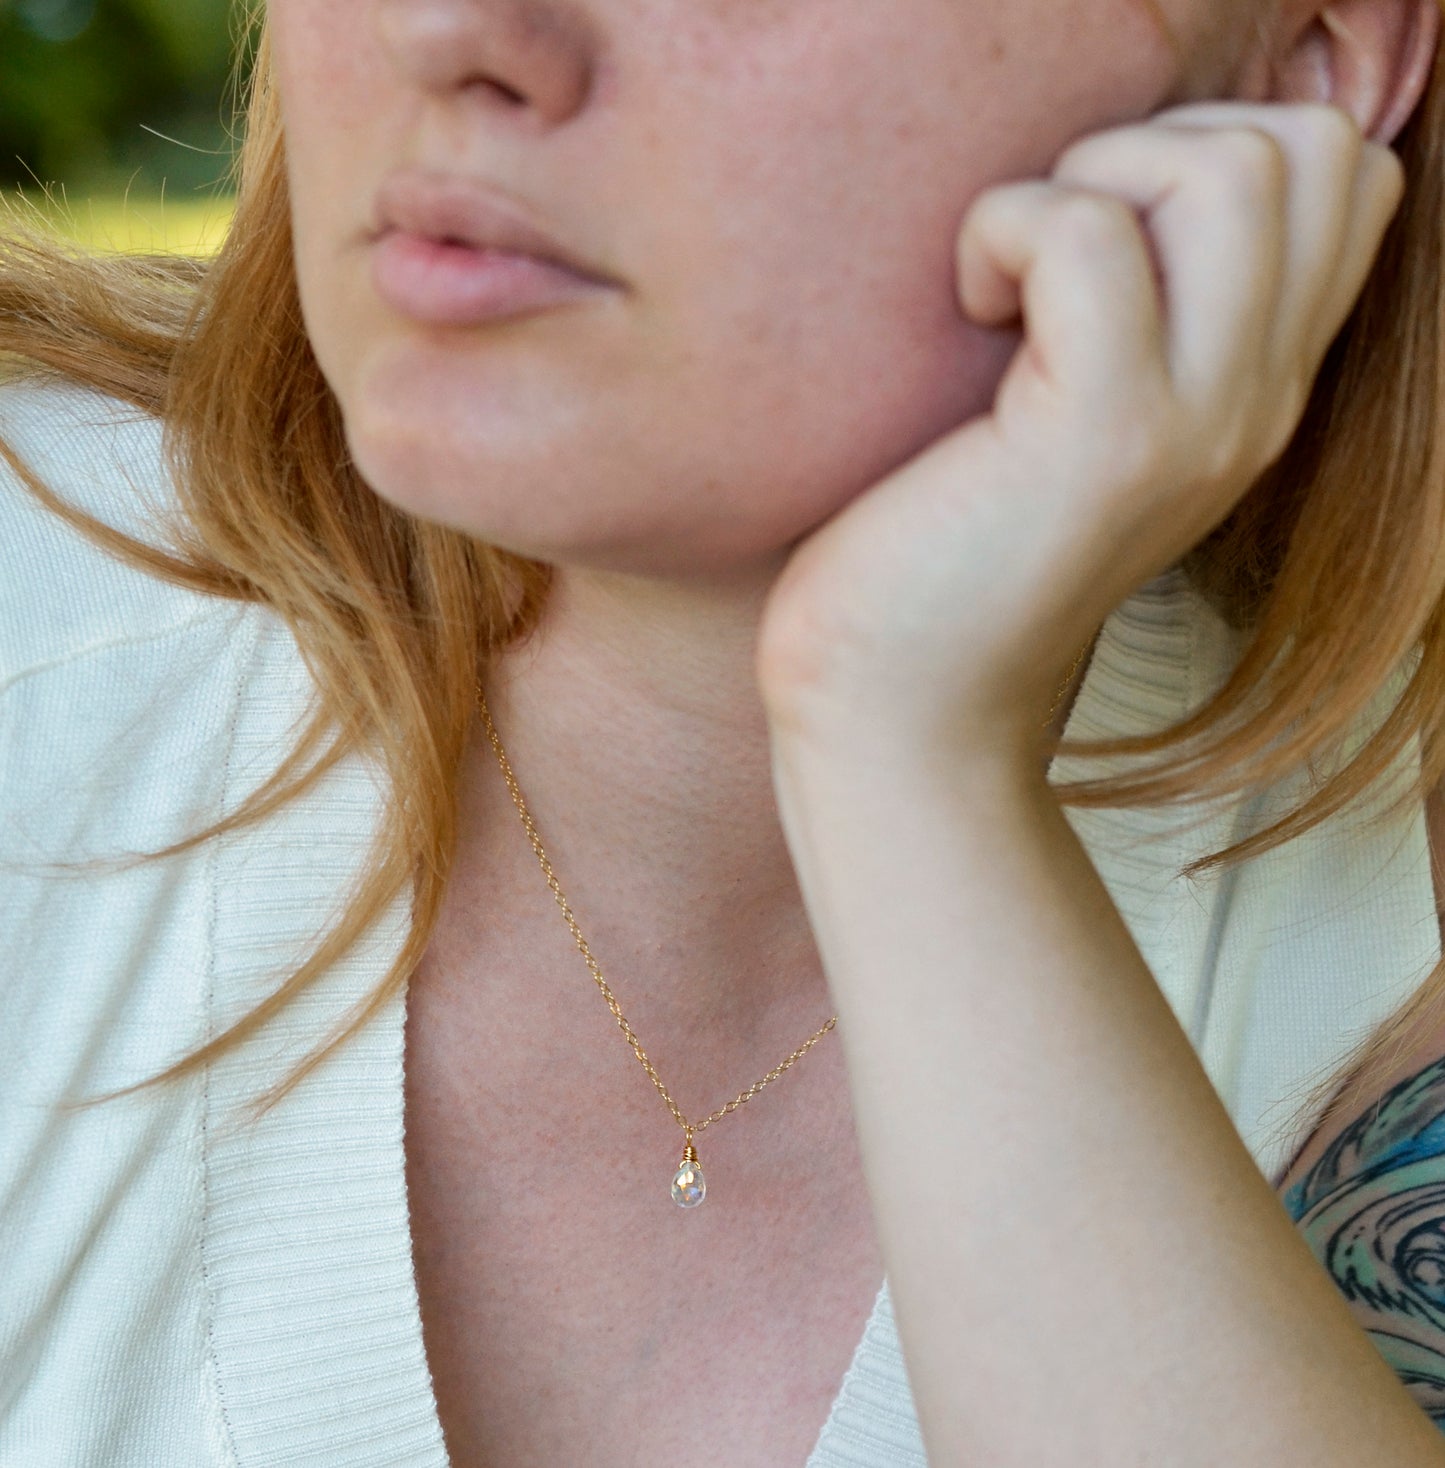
1179 281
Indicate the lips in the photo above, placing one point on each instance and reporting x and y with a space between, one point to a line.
452 211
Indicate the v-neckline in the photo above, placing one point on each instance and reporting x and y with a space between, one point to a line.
316 1333
316 1338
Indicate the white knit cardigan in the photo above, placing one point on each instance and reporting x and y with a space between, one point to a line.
180 1291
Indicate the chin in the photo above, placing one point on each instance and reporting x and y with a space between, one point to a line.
548 511
573 461
578 491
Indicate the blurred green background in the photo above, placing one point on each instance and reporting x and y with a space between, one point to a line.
117 116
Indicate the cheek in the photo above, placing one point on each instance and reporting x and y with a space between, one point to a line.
338 102
816 248
804 305
329 75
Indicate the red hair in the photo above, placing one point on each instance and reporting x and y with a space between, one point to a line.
397 618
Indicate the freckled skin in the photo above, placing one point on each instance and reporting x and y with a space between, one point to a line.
780 186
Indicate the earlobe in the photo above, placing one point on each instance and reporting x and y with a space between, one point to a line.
1373 58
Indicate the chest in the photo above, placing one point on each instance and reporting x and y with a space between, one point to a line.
572 1313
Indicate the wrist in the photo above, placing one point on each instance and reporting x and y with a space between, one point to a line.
916 720
860 753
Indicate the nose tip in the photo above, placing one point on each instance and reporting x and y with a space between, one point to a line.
524 54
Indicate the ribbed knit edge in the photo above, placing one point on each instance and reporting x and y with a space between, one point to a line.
316 1326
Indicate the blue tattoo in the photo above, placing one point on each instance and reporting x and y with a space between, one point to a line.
1373 1210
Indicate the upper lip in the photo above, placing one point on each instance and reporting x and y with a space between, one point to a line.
449 207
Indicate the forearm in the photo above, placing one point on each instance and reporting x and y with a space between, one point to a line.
1087 1265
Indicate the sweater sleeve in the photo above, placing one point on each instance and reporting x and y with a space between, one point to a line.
117 715
61 593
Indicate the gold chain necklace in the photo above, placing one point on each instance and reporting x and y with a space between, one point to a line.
689 1186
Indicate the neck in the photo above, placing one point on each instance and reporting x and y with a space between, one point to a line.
633 724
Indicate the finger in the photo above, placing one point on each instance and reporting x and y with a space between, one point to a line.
1379 186
1215 202
1075 264
1325 153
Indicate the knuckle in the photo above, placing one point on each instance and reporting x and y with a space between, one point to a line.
1387 168
1075 152
1225 426
1133 446
1247 158
1088 220
1136 450
1224 450
997 203
1245 440
1083 153
1290 405
1331 127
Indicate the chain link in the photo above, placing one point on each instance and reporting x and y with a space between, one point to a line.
690 1129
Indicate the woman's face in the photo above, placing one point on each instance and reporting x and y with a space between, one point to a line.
775 186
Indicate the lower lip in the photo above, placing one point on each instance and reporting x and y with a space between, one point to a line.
446 284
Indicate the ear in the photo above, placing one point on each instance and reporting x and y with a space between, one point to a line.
1373 58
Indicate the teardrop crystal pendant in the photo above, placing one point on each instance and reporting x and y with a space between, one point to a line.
689 1187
